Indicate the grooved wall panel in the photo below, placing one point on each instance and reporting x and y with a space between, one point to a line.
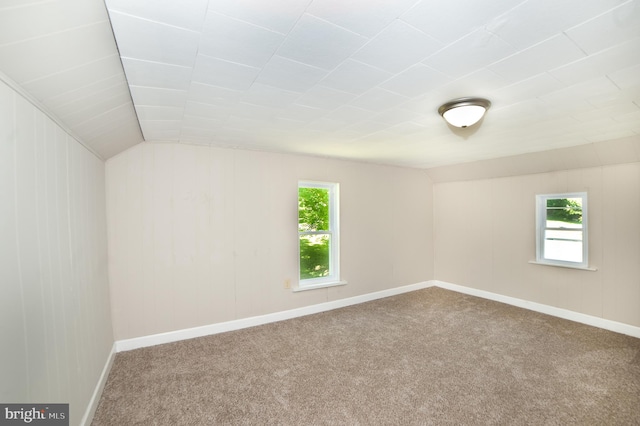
55 319
484 234
201 235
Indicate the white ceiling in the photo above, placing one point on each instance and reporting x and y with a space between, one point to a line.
358 79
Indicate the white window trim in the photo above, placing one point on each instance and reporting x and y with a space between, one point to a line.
334 230
541 210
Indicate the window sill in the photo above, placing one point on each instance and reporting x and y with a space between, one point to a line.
319 285
581 268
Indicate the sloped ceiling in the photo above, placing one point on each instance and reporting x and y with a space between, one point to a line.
62 53
359 79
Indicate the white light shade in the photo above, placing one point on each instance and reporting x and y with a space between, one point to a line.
464 116
464 112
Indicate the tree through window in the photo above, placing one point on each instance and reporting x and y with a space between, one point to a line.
562 229
318 232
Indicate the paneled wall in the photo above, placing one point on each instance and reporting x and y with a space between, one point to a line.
55 322
201 235
484 234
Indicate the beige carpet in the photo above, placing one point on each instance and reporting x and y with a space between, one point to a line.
428 357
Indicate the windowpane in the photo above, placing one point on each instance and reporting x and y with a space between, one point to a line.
563 245
564 212
314 255
562 229
313 209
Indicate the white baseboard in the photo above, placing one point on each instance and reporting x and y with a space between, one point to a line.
190 333
605 324
97 392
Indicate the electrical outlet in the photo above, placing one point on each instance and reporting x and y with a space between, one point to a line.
287 283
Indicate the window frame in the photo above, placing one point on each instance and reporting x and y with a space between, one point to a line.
541 228
334 231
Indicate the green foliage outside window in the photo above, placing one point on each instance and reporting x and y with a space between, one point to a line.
314 258
313 215
564 210
313 209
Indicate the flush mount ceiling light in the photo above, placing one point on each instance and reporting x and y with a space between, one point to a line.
464 112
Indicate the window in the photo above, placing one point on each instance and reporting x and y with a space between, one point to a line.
561 228
318 234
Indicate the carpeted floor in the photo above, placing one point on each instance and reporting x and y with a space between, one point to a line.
428 357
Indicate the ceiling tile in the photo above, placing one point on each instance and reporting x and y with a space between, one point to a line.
549 54
77 119
397 116
602 63
76 78
531 22
155 74
226 74
160 125
290 75
632 118
161 129
97 88
580 92
158 96
626 78
202 122
39 57
80 109
324 98
197 109
362 78
378 100
302 113
366 17
105 122
152 112
319 43
613 111
215 95
206 136
242 125
326 124
367 127
238 41
530 88
260 94
407 128
276 15
255 112
480 83
449 21
415 81
46 18
614 27
349 114
116 139
604 132
470 53
184 14
397 47
355 77
151 41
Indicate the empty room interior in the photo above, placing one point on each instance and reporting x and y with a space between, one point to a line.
321 211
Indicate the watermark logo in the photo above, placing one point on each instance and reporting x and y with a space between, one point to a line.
34 414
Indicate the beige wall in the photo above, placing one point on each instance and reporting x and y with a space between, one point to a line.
201 235
484 234
55 323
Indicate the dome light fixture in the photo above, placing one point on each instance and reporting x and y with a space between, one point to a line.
464 112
